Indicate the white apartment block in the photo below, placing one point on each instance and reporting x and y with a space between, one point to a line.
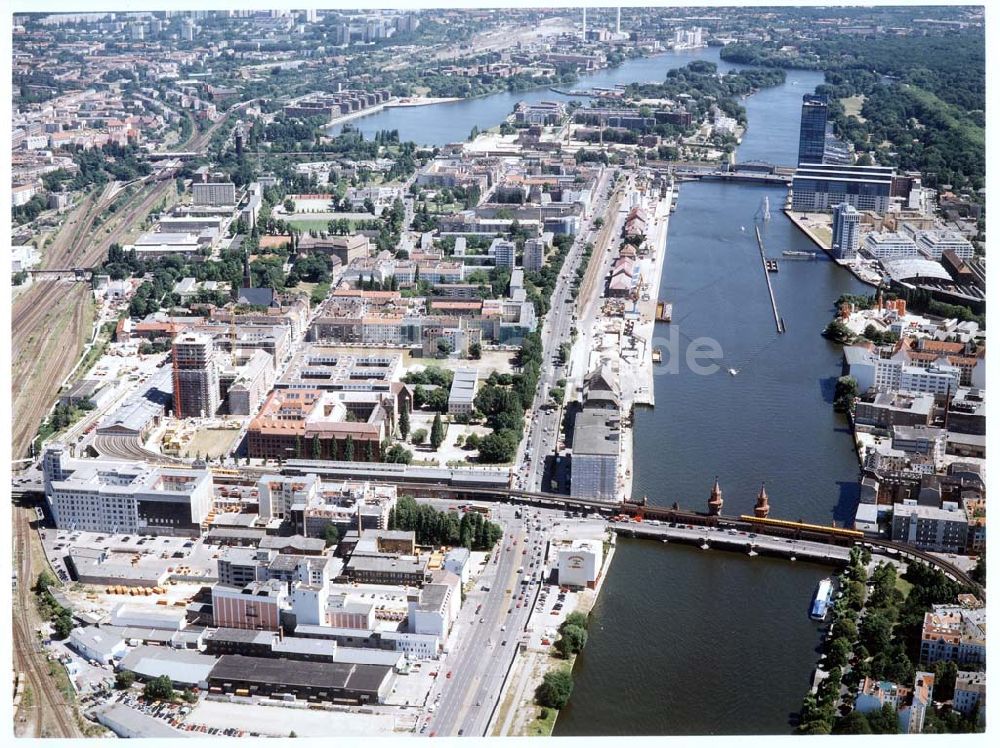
881 245
933 244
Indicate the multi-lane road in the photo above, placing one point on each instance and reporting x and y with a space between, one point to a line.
488 632
544 425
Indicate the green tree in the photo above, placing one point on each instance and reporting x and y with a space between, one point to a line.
160 688
62 624
573 639
884 721
839 653
399 454
555 688
845 392
875 632
945 674
854 723
331 535
317 448
419 436
124 679
404 421
576 618
854 594
437 432
844 628
349 448
369 451
838 332
476 351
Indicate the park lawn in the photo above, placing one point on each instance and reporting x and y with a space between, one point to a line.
539 727
852 106
953 116
903 586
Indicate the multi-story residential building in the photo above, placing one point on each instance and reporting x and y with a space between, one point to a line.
933 244
196 376
890 369
534 254
970 692
929 528
955 632
880 245
910 704
846 231
504 253
818 187
247 381
120 497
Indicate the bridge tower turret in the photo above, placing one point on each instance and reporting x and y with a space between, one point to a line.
761 509
715 500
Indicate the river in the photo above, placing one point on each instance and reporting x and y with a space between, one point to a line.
684 641
438 124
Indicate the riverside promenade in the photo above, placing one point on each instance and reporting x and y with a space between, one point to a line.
815 226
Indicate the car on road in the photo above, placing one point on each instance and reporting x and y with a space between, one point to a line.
448 675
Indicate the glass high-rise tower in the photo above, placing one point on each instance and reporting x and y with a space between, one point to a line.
812 130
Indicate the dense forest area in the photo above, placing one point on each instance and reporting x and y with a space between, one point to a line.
923 97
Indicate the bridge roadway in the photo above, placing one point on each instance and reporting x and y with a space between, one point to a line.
736 540
731 176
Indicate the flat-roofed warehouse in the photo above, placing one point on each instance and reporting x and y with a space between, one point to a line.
310 681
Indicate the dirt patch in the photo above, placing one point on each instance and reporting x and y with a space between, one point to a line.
210 443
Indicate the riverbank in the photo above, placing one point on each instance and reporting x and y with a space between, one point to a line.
519 714
422 101
636 376
816 228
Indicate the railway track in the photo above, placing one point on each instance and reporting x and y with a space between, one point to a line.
49 703
130 448
54 341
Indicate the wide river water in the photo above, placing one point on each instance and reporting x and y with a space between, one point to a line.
684 641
